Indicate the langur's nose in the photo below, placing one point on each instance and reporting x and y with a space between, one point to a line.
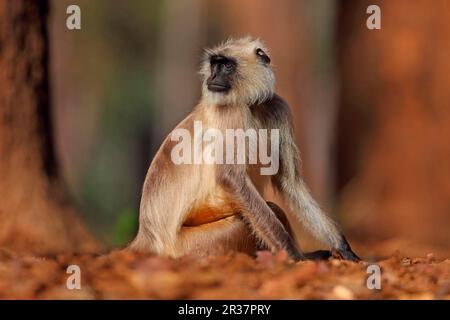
214 74
215 71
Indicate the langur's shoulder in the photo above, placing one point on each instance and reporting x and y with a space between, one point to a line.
279 104
276 109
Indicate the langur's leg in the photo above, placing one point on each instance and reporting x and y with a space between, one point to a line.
225 235
282 216
295 192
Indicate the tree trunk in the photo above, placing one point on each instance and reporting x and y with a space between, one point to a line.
35 215
394 159
182 30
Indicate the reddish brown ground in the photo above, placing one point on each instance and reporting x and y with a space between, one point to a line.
124 275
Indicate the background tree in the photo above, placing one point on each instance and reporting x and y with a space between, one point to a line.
393 148
35 215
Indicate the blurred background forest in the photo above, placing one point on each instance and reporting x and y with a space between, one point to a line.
371 107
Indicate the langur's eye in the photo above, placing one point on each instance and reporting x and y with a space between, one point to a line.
229 66
262 56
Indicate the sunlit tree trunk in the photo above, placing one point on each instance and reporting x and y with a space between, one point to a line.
394 160
35 215
183 36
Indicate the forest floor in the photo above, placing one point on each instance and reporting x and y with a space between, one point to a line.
126 275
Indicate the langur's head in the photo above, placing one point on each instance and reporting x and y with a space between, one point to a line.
237 72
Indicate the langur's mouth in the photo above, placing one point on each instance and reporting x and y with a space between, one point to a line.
218 87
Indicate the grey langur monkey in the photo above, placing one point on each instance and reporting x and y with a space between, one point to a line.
212 209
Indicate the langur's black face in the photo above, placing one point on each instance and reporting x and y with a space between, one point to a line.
237 72
222 72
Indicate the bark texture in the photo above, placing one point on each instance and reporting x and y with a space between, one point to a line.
394 150
35 215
